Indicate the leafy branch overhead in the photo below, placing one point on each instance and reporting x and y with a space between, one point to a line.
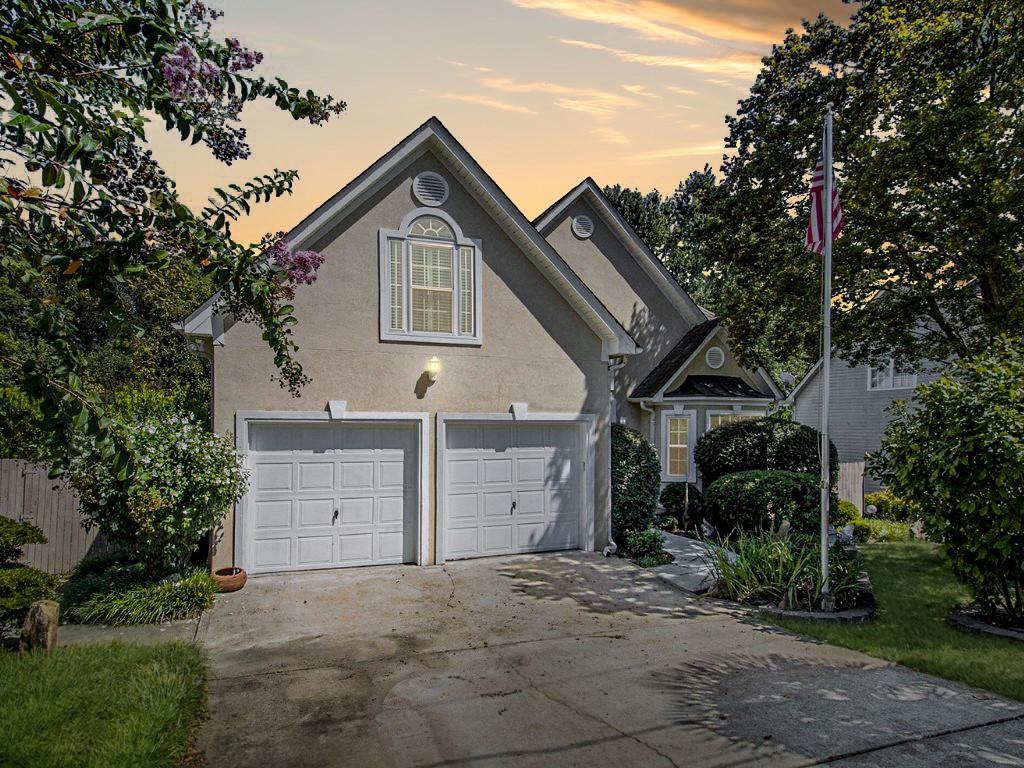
87 210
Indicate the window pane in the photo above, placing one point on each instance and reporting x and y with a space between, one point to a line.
678 446
466 288
431 310
879 378
397 296
431 226
904 380
430 266
677 462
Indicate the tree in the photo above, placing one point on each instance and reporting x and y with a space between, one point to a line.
87 212
648 214
929 97
959 456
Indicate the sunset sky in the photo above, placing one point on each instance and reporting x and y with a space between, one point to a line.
542 92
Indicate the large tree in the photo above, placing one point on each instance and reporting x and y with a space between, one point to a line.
928 145
89 221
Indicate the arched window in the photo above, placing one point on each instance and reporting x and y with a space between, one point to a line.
430 281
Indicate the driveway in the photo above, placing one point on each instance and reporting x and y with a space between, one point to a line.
550 660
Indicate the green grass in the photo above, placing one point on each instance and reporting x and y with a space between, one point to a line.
915 590
887 530
120 596
101 706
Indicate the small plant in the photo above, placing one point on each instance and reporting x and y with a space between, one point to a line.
668 523
784 571
843 513
14 535
122 596
647 548
886 530
861 530
685 502
636 482
20 586
761 500
888 506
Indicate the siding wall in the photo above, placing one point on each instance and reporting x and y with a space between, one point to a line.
857 416
27 494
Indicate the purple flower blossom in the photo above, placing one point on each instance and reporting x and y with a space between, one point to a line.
242 58
180 70
300 266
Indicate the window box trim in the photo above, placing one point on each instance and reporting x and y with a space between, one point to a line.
384 257
691 439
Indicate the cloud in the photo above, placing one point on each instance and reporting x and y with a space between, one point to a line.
484 101
738 65
681 91
592 101
692 150
751 22
640 90
611 135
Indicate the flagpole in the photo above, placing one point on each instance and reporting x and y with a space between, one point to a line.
826 360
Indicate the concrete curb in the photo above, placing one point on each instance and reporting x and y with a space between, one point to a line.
965 619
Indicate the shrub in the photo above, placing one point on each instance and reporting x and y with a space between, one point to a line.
647 548
636 482
685 502
891 507
843 513
14 535
187 478
861 530
667 523
768 443
762 499
20 586
958 454
887 530
762 568
123 597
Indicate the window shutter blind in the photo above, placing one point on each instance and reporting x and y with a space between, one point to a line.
467 288
397 293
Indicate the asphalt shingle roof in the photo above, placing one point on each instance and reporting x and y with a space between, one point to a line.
679 354
715 386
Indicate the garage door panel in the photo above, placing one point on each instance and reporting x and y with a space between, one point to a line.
315 551
462 472
356 474
314 513
530 469
355 548
392 474
497 504
462 542
273 477
390 545
355 511
315 476
273 514
497 471
462 506
392 510
530 503
497 539
272 553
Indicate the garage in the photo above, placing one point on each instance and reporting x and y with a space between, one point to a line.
512 487
330 495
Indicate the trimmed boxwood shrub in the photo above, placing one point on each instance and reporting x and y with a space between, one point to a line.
891 507
636 482
685 504
762 499
843 513
768 443
20 586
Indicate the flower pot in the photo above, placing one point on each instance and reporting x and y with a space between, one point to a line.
229 579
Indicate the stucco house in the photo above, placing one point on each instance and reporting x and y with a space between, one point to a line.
466 367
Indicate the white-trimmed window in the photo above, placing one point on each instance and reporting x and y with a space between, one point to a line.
718 418
429 281
679 433
890 377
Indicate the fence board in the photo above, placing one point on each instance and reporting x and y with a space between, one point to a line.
26 493
851 483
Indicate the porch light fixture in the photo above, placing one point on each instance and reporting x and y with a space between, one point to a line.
433 369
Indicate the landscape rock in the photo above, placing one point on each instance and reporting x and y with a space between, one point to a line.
39 631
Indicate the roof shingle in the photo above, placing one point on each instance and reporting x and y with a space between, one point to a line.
715 386
679 354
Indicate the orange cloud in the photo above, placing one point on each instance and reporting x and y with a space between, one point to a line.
640 90
692 150
615 12
740 65
593 101
485 101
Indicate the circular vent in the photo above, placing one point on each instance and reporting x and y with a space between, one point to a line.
583 227
715 357
430 188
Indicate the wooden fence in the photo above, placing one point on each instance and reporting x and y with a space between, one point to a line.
27 494
851 483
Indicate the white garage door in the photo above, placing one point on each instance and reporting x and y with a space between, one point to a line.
511 488
330 495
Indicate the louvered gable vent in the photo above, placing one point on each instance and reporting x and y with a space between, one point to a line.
583 227
430 188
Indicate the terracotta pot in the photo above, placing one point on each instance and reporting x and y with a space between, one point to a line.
229 579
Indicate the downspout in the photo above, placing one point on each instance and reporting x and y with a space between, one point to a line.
613 365
651 427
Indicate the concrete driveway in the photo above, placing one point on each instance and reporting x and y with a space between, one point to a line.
565 659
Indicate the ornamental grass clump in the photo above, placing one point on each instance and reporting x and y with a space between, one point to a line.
124 595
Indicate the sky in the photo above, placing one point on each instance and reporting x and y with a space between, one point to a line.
543 93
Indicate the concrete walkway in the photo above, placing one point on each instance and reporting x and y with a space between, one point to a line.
562 659
687 569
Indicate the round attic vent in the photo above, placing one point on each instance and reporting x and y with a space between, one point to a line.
430 188
715 357
583 227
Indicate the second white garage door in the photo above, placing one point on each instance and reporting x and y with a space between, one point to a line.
511 488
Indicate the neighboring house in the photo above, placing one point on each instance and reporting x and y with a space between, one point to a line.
466 366
859 399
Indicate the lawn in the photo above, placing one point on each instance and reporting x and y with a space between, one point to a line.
101 705
915 589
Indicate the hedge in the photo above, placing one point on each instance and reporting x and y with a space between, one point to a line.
770 443
636 482
761 499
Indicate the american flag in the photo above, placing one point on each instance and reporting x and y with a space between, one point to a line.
816 226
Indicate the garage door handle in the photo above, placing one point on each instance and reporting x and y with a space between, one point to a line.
335 518
512 511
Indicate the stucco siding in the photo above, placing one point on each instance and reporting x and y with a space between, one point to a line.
857 416
535 349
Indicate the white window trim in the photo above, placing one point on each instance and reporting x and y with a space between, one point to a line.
732 412
460 241
891 379
691 438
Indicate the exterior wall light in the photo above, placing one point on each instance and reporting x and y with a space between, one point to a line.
433 369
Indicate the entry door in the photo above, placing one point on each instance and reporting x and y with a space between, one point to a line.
330 495
511 488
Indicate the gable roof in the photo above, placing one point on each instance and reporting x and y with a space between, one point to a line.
652 265
666 370
811 374
433 136
715 386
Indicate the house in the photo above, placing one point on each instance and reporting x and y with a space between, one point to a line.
859 400
466 366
